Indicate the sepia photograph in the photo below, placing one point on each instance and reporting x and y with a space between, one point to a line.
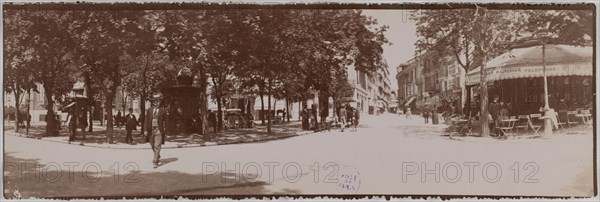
265 100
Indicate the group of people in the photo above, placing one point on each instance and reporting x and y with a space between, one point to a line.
347 115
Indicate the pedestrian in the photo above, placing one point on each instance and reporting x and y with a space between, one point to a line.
349 115
28 121
130 125
408 113
342 114
72 124
356 117
212 117
118 118
494 110
305 118
426 114
82 122
156 122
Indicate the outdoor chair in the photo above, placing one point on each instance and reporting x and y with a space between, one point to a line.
571 118
586 116
523 122
534 124
561 125
507 127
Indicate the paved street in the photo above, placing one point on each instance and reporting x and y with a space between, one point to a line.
386 155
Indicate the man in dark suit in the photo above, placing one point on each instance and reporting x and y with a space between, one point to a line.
156 125
130 125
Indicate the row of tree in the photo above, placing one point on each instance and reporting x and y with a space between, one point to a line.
474 35
280 53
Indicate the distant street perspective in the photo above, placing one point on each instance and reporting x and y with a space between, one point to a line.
155 102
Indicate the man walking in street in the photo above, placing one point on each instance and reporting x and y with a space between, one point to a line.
426 115
72 124
156 128
130 125
343 114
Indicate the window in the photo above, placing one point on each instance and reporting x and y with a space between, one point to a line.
531 91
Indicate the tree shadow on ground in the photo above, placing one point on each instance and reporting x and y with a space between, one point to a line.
99 136
24 180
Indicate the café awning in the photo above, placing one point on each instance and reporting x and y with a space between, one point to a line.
561 60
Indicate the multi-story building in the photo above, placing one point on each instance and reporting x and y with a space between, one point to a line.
410 82
372 91
428 78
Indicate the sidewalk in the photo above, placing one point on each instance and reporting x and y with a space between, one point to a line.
579 130
231 136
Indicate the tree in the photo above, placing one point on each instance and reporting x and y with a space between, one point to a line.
146 63
224 40
50 46
103 38
18 56
575 27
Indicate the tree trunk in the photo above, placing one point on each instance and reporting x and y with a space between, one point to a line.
300 111
103 116
124 101
219 114
269 109
142 113
17 107
203 104
335 107
483 115
109 118
323 106
51 124
262 108
90 95
28 111
287 110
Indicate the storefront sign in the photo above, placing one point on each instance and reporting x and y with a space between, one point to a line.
503 73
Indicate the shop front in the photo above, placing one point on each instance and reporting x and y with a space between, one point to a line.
516 78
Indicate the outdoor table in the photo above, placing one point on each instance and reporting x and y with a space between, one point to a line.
507 125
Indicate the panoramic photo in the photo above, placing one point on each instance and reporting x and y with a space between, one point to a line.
206 100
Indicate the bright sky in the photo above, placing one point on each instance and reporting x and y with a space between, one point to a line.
402 35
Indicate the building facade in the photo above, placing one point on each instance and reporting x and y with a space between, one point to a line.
430 80
372 91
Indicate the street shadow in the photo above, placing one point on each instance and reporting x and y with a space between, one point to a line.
166 161
98 136
24 180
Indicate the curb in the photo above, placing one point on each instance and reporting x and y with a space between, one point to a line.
301 133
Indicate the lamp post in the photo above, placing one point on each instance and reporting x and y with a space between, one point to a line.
541 40
547 113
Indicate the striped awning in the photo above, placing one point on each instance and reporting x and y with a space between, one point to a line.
561 60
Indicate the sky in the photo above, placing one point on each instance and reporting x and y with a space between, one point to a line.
402 35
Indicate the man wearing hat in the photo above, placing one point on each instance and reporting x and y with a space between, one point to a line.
130 125
156 124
